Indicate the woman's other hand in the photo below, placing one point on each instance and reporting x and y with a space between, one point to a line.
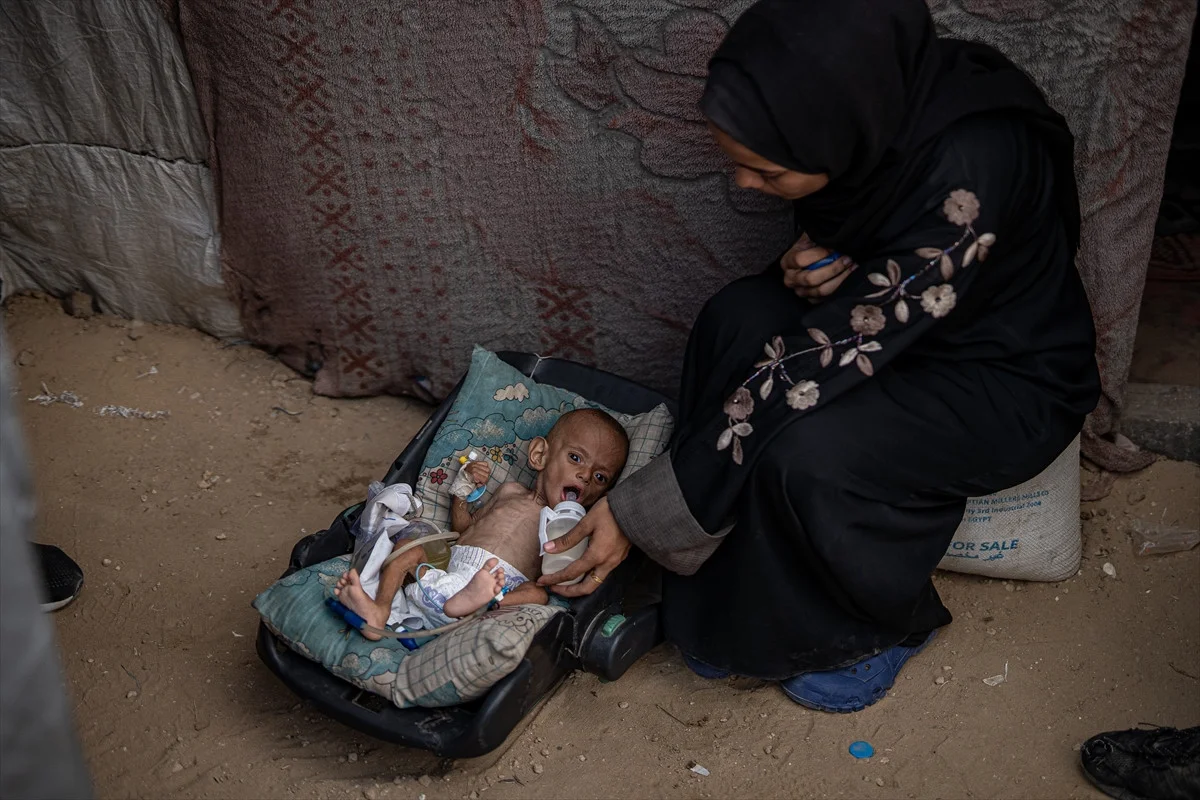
607 548
813 284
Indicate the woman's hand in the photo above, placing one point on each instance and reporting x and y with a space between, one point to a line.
608 548
813 284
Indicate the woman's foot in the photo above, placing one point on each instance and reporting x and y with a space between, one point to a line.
704 670
482 589
350 592
851 688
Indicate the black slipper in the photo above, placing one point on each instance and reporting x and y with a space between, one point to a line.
61 576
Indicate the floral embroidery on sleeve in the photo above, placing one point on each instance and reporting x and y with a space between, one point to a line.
866 321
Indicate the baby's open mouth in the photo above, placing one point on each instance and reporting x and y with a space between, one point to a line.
571 493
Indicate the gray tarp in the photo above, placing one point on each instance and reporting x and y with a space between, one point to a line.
103 181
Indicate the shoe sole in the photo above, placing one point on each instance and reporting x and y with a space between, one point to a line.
1118 792
48 607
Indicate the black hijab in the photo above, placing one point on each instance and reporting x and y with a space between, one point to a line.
861 90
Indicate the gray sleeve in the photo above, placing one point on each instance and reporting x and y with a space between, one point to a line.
651 511
39 754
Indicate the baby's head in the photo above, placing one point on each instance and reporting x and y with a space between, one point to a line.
583 453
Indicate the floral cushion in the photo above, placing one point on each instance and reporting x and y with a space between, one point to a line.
456 667
497 412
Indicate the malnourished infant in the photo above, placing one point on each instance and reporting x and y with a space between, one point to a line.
499 549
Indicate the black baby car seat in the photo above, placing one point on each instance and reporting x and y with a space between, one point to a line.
597 633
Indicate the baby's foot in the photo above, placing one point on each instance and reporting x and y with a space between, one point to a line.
350 591
482 589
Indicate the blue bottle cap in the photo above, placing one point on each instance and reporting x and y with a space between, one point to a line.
475 495
861 749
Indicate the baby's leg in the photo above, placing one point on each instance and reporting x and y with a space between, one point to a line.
391 579
528 593
482 589
376 611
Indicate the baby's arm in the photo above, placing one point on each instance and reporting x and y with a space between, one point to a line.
460 513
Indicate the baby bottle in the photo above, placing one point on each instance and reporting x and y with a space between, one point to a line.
556 522
464 485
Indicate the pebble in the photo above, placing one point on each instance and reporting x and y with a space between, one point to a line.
545 752
473 795
947 668
398 780
135 334
582 758
1109 569
25 358
79 305
885 760
1136 497
222 537
132 693
1008 587
879 781
538 769
424 780
177 767
622 704
939 680
352 757
106 562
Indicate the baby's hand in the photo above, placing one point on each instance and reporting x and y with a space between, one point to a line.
479 471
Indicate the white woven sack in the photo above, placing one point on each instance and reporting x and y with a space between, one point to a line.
1029 532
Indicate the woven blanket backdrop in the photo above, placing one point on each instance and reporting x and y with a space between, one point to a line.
397 181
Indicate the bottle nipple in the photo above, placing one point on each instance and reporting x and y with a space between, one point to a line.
572 496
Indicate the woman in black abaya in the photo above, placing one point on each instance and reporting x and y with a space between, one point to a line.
926 340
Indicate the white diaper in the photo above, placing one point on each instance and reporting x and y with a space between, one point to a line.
419 606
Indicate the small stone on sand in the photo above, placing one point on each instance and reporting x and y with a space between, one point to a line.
1109 570
424 780
177 767
622 704
132 693
222 537
939 680
26 358
106 562
538 769
352 757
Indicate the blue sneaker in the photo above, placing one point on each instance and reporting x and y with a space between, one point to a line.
704 670
851 688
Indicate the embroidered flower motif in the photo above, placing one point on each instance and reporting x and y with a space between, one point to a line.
496 454
938 301
804 395
438 477
979 249
961 207
740 405
867 320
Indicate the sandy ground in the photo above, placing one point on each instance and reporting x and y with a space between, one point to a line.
179 522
